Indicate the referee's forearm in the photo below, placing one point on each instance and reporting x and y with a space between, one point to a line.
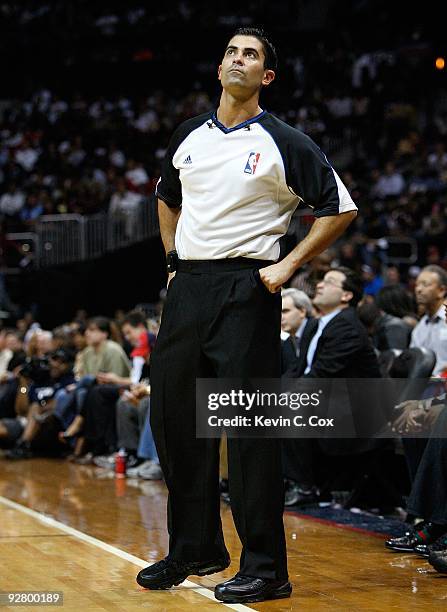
323 233
168 219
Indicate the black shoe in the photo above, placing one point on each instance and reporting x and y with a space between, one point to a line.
438 559
169 572
296 495
423 550
421 534
249 589
439 546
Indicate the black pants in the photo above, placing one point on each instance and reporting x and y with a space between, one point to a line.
300 457
428 497
8 394
99 412
219 321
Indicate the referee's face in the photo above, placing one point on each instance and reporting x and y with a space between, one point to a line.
242 71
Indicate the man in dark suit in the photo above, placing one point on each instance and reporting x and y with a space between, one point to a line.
337 346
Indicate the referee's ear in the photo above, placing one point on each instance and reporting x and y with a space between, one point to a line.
269 76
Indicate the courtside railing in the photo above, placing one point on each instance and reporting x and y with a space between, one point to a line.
64 239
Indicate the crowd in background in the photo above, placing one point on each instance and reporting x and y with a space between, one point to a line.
375 107
82 391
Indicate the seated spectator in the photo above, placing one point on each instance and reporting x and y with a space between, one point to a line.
12 201
428 496
134 434
123 201
337 347
373 282
392 275
5 353
394 300
32 209
134 330
431 331
123 205
48 378
103 400
38 342
386 332
296 318
101 355
26 156
390 184
9 379
136 176
97 417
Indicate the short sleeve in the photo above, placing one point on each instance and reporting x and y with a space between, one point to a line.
169 187
313 180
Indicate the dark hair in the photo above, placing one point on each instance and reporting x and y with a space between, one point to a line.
442 274
102 323
80 327
64 355
352 283
270 57
134 319
368 314
395 301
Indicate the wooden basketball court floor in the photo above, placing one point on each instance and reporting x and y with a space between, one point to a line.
77 529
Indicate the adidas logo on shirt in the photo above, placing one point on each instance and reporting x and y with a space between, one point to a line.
188 160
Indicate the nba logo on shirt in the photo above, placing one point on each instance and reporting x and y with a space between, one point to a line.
252 162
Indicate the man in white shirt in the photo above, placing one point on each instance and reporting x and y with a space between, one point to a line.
230 182
431 331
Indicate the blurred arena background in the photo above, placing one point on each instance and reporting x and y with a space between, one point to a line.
92 92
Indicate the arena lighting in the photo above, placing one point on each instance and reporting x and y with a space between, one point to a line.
440 63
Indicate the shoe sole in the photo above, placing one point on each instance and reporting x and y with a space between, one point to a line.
167 584
282 593
400 549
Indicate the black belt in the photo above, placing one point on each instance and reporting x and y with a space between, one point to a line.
221 265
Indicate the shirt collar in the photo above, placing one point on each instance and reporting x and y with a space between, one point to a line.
244 124
324 320
300 330
438 316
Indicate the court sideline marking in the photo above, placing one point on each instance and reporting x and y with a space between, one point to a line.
48 520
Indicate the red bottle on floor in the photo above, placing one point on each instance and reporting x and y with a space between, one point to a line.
120 463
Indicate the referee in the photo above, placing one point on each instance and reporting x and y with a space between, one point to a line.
230 182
